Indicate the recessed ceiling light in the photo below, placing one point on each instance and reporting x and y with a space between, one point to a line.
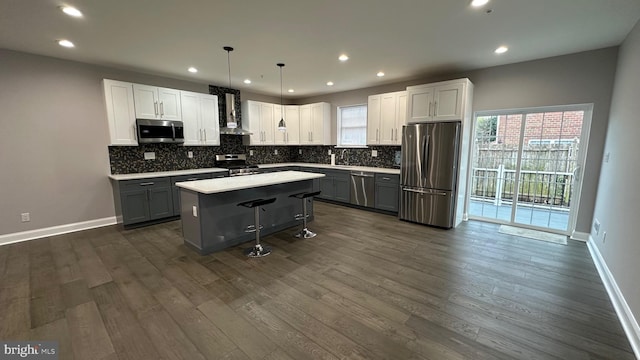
479 3
380 74
329 83
66 43
343 57
71 11
247 81
192 70
290 90
501 50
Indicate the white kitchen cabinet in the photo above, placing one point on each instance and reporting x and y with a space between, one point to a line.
386 113
441 101
120 112
156 103
258 118
315 124
291 136
200 118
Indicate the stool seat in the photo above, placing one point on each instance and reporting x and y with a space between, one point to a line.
258 250
304 233
304 195
257 202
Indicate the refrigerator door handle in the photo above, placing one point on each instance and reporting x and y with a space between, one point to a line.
425 155
425 192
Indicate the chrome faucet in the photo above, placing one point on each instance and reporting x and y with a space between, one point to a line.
342 156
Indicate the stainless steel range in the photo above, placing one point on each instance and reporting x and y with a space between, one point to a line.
237 164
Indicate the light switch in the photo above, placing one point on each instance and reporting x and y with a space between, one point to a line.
300 151
374 153
250 152
275 152
150 155
190 154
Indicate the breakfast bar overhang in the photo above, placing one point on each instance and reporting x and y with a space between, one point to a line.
213 221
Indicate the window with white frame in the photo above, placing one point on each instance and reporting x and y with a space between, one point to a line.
352 125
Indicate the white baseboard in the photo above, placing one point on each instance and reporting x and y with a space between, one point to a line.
629 323
579 236
55 230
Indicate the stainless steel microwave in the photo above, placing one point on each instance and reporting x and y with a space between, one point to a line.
159 131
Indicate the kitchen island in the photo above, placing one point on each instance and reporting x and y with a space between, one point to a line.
212 219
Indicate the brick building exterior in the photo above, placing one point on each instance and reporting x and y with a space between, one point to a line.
542 128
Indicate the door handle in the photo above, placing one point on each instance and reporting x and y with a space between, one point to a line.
205 135
424 192
435 108
162 108
155 107
146 183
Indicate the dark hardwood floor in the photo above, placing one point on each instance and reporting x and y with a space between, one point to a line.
367 287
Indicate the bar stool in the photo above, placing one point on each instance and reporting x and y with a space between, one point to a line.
257 250
304 233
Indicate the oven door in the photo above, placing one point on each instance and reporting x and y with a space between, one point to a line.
160 131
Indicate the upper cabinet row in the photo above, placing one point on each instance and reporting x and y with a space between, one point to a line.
305 124
387 113
127 102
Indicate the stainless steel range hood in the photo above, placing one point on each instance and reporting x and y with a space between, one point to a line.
232 120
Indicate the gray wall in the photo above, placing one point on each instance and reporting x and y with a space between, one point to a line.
618 201
54 159
571 79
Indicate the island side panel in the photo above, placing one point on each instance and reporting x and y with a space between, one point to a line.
222 223
191 227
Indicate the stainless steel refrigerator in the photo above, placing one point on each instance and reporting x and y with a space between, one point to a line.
429 173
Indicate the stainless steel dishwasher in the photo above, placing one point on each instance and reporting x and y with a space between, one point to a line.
362 188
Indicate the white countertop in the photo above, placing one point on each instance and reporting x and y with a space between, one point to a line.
137 176
336 167
212 186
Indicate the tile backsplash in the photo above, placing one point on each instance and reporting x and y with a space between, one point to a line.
169 157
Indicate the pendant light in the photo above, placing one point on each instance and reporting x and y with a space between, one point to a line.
230 99
281 124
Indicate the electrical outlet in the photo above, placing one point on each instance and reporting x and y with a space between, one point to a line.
25 217
194 210
329 152
604 236
150 155
190 154
374 153
596 226
250 152
300 151
275 152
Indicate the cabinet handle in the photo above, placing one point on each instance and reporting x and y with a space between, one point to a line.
155 107
193 179
377 137
435 108
386 178
146 183
205 135
162 108
391 134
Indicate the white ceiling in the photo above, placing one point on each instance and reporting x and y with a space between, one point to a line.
404 38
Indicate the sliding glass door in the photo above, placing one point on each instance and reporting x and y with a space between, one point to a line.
526 166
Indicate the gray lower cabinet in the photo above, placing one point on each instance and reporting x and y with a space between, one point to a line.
176 190
387 192
335 185
145 199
